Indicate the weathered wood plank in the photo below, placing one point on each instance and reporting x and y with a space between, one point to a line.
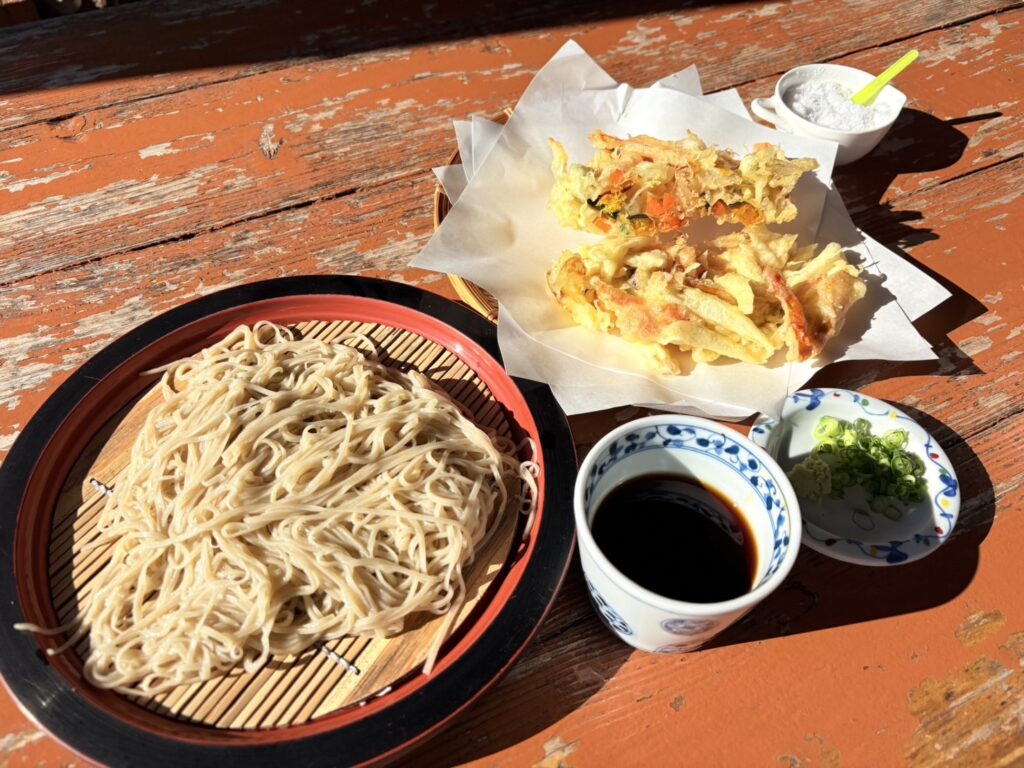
910 685
67 66
576 680
193 161
127 177
71 65
960 117
53 322
968 230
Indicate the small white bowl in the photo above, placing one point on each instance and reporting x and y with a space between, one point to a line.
833 527
853 145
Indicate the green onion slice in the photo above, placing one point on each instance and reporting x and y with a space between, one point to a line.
882 466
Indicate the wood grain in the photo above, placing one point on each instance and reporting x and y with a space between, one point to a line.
844 666
824 634
44 341
65 67
983 726
191 161
963 115
99 301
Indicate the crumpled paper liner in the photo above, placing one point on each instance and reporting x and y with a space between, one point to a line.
500 235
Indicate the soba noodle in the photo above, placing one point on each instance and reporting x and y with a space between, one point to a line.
284 492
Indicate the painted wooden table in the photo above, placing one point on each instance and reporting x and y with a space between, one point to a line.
154 152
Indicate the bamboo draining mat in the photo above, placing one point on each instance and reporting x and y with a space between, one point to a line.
343 672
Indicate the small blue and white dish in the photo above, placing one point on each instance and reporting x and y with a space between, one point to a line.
846 529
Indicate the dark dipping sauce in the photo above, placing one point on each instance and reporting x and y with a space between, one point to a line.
677 537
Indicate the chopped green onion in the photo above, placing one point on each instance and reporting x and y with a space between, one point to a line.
828 427
918 465
895 438
827 445
902 464
847 454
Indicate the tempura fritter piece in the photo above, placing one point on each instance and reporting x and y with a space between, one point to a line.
643 185
745 296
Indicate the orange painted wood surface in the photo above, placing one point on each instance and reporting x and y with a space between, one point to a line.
132 179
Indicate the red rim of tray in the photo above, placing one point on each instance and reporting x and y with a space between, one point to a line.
107 727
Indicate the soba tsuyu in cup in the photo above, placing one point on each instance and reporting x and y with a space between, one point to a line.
683 526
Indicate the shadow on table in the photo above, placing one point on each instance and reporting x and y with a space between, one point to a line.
935 326
574 656
153 38
918 143
821 593
568 662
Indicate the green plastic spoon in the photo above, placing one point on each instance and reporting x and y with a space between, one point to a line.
868 93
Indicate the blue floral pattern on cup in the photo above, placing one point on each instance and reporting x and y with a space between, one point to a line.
688 626
712 444
608 615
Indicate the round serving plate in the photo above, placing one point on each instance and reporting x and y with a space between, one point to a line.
846 529
350 700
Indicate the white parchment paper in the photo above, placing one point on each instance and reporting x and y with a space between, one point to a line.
501 235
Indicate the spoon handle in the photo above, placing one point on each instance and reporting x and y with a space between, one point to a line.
868 93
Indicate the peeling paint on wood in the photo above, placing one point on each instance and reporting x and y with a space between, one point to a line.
556 753
974 717
269 145
350 122
241 38
53 323
12 742
980 626
123 197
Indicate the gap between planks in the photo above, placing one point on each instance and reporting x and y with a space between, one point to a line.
898 197
902 38
289 62
346 192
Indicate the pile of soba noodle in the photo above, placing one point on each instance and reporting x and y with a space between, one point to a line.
281 493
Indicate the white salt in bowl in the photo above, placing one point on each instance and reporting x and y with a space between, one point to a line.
853 144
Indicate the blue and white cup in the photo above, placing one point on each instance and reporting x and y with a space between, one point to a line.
719 457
